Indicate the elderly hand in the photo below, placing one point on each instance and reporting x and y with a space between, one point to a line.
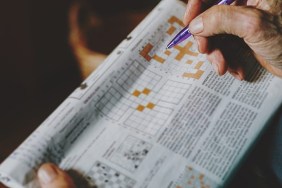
257 22
50 176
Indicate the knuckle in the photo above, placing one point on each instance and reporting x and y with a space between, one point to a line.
254 23
220 18
216 14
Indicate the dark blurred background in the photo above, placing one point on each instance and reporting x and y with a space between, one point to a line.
38 66
38 69
41 62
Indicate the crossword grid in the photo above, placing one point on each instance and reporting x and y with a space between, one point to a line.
183 60
185 63
107 177
136 80
146 114
148 121
173 92
137 77
131 153
113 105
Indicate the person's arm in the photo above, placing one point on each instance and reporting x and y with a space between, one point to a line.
257 22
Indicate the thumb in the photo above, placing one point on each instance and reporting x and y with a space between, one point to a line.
50 176
244 22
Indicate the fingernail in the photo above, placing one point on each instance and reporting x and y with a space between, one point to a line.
46 174
215 67
196 26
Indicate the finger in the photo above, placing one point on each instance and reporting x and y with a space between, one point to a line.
2 185
237 67
232 47
218 61
229 47
193 9
51 176
238 73
203 45
240 21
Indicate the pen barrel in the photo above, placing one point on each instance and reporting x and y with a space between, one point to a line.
225 2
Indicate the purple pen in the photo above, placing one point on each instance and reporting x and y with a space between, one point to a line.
185 33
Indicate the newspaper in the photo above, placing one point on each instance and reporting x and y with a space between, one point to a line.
152 117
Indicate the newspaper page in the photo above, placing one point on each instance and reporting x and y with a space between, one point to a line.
152 117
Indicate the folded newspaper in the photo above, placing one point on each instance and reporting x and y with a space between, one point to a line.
152 117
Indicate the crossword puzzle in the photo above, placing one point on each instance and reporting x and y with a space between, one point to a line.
146 114
192 178
184 60
131 153
107 177
142 98
137 84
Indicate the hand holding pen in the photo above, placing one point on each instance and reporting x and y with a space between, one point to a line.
257 22
185 33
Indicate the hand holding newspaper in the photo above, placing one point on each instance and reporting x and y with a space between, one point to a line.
152 117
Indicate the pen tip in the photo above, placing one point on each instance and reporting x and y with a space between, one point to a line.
170 45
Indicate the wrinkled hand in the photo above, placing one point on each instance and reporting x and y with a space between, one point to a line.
257 22
50 176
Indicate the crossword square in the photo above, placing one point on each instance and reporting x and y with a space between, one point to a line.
146 91
189 62
199 65
136 93
150 106
140 108
171 30
167 52
159 59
